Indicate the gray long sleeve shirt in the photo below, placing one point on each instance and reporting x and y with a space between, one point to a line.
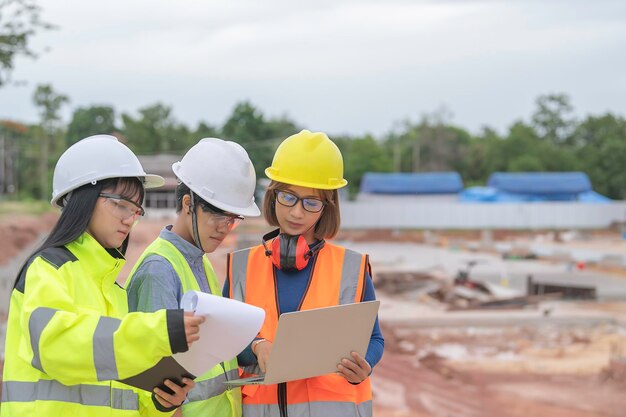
155 284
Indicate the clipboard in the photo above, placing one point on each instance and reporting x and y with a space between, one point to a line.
216 343
166 368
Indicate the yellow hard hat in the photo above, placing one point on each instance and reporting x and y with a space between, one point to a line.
308 159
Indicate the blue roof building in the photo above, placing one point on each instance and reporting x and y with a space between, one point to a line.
423 185
503 187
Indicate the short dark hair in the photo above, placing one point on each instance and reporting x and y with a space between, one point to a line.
182 190
328 224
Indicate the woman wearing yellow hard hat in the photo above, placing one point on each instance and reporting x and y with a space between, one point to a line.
296 269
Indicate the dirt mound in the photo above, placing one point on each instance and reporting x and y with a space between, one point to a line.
20 231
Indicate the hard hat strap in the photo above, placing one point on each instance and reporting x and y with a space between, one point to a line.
194 222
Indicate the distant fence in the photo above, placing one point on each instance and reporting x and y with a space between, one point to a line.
398 214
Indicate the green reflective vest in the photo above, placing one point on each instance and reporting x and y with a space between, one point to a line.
69 337
210 397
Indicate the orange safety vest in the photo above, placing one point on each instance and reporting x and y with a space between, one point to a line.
337 277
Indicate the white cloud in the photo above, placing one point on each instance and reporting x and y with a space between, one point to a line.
346 66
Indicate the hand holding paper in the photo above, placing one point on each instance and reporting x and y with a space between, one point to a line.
229 326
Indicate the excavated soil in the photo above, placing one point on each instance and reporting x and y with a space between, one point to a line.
456 371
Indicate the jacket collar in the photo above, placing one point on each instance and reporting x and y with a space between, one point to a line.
100 261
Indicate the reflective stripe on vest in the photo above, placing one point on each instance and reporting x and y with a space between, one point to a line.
337 277
348 287
103 346
50 390
38 321
316 408
211 387
239 266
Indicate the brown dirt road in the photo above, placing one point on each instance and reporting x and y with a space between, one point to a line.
434 386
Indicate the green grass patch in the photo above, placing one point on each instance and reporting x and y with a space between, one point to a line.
25 207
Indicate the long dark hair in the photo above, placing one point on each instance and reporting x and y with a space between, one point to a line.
77 211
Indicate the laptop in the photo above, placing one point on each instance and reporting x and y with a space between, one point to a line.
310 343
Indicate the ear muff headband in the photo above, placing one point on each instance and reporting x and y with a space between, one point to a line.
288 252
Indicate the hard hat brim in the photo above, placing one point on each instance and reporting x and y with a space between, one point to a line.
338 184
148 181
251 211
153 181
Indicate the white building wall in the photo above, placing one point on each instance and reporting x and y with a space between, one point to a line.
404 214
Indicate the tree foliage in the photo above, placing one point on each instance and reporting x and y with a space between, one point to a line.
87 121
49 132
248 126
155 131
361 155
20 20
552 140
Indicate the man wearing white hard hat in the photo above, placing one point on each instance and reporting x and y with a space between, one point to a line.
215 192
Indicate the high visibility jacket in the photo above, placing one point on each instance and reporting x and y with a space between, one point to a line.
338 277
69 337
210 397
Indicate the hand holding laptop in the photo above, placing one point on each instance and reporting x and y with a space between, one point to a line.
315 342
355 369
262 351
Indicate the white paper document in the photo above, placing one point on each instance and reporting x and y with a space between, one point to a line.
229 327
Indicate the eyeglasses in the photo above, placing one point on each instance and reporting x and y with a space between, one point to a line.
310 204
122 207
221 218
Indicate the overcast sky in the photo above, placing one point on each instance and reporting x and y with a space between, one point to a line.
338 66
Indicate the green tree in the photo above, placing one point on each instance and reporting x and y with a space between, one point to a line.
433 144
19 21
553 118
260 137
481 157
601 149
156 131
361 155
87 121
12 134
49 103
205 131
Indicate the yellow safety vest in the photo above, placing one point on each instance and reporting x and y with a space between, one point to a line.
210 397
69 337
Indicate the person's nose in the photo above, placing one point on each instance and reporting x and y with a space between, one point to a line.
130 220
298 210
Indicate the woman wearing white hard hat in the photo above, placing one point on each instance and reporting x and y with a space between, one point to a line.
215 192
296 269
69 335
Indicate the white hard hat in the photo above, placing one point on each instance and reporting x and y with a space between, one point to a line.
97 158
221 173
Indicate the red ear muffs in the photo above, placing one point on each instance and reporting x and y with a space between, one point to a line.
288 252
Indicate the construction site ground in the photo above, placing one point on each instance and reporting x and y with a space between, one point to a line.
553 357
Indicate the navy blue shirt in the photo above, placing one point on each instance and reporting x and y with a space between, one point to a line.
291 287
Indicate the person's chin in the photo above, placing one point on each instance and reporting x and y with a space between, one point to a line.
211 245
292 229
116 242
